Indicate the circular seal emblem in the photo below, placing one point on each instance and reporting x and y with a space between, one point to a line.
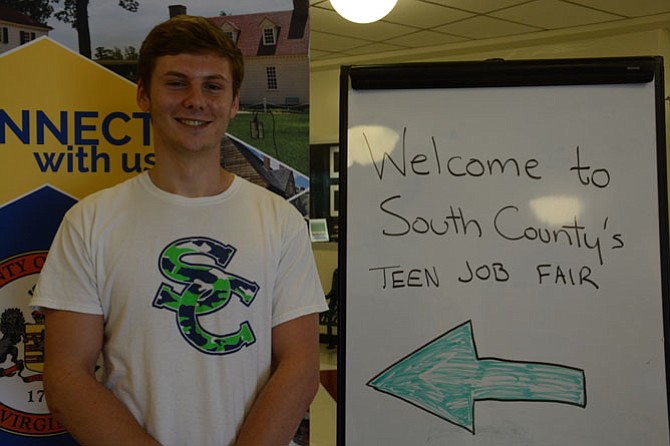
23 410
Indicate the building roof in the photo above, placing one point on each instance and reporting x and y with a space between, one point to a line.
8 14
280 181
292 38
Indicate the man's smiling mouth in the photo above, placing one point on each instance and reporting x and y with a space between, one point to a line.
193 122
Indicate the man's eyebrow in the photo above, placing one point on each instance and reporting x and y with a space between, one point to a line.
184 76
174 73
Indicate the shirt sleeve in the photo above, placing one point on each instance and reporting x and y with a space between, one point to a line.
67 280
298 289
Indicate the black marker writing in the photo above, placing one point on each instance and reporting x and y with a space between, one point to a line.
429 161
396 276
452 222
572 234
598 177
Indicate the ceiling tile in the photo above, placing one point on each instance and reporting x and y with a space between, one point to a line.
374 48
424 15
325 20
424 38
628 8
482 27
554 14
315 55
419 24
323 3
330 42
479 6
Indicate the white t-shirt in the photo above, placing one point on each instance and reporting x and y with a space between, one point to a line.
190 289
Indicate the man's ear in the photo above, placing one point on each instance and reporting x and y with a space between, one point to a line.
235 106
142 97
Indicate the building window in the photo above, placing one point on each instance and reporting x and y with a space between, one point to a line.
232 35
4 34
26 37
269 37
272 77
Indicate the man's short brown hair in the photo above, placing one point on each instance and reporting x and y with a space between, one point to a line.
190 35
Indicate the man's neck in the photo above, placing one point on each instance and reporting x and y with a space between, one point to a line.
191 181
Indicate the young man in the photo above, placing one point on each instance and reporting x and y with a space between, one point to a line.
198 287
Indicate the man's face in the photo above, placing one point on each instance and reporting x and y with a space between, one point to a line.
191 102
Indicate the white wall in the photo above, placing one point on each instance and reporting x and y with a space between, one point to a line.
14 34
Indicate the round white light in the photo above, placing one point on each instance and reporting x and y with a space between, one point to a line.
363 11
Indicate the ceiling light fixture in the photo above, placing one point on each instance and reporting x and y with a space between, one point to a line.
363 11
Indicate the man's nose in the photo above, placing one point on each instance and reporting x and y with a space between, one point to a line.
194 98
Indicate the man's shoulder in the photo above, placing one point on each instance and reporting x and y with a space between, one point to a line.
105 198
110 192
263 197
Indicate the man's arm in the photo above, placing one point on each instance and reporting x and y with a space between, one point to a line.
90 412
276 413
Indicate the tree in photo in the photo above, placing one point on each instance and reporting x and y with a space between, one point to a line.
75 12
38 10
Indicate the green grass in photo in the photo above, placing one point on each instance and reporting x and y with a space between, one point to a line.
285 135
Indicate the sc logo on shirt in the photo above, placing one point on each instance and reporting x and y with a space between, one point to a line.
197 265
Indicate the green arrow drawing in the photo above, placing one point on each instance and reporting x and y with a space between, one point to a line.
446 377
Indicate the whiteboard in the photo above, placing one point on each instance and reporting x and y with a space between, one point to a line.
504 254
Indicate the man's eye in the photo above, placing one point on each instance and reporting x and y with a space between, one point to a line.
175 83
213 87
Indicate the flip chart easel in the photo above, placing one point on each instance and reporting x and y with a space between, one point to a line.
504 254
